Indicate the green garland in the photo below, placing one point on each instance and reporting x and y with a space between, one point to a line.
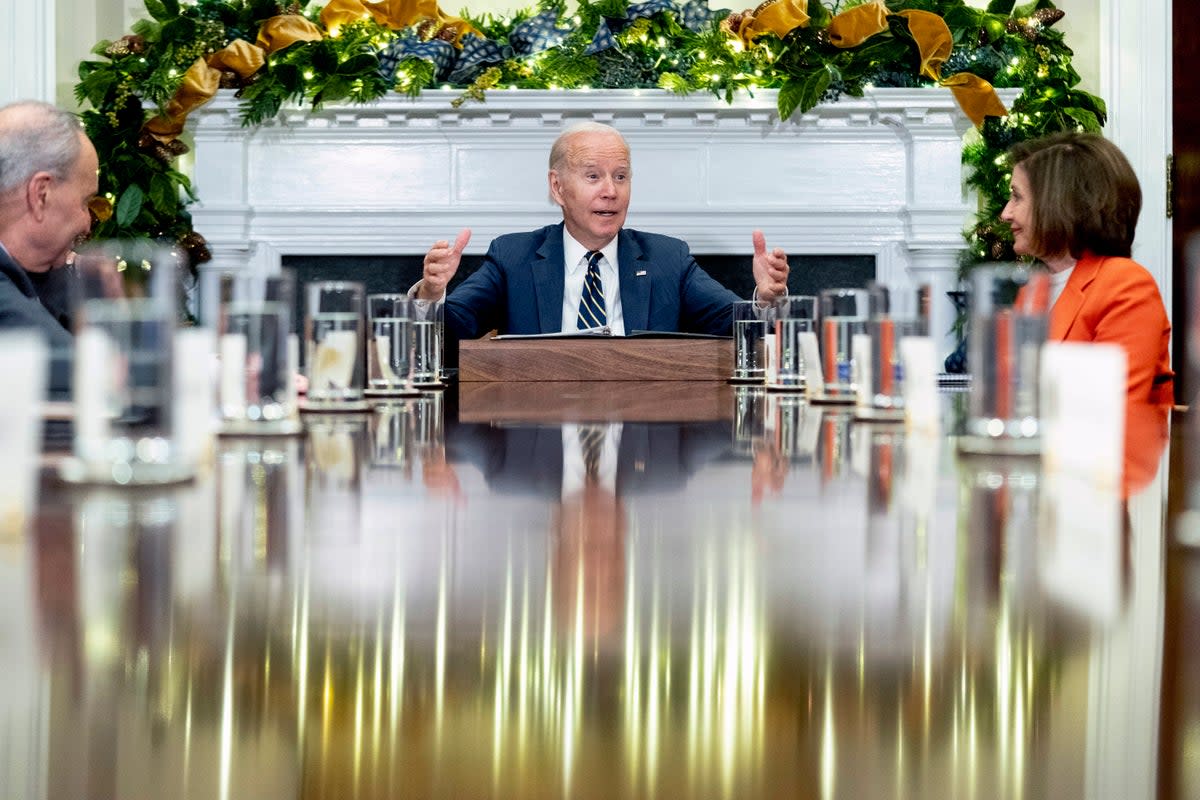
1006 45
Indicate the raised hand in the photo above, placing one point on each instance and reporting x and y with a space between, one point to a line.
770 270
441 262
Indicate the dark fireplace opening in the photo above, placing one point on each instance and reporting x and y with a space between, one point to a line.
809 273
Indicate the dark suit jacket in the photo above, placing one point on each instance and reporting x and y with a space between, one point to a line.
519 287
21 308
528 459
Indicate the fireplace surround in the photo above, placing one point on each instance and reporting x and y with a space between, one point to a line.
879 175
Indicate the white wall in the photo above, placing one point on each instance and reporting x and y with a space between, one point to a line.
80 25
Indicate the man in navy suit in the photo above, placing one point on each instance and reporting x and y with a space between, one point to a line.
534 282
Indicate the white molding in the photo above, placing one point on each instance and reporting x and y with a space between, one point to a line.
1125 667
27 50
878 175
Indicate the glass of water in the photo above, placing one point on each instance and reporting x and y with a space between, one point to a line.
333 343
254 324
895 315
844 313
795 314
125 420
389 344
1008 326
749 341
427 326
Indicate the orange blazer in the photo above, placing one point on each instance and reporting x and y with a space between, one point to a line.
1112 299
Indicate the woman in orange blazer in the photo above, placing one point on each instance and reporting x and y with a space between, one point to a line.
1074 205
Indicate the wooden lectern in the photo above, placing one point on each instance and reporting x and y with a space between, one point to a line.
595 358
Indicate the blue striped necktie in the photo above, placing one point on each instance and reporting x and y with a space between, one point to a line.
591 305
591 444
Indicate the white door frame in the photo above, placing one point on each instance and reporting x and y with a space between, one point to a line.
1135 80
27 50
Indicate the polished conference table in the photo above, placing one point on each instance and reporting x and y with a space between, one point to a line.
758 598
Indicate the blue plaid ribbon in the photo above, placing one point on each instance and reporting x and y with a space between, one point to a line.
477 53
534 35
696 15
441 54
537 34
603 39
691 14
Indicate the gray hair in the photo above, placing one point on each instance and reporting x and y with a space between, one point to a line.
36 137
561 150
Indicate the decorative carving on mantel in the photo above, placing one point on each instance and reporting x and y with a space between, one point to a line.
878 175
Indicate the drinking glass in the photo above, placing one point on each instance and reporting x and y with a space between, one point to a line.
254 323
794 315
333 334
125 420
1009 321
390 432
749 417
428 318
389 344
793 425
334 464
844 313
894 315
749 346
24 359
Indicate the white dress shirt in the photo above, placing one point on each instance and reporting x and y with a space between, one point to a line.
574 469
575 264
1058 282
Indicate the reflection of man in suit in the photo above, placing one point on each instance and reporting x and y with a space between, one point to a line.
534 282
589 527
544 459
589 518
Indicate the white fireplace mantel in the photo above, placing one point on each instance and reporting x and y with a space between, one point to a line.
878 175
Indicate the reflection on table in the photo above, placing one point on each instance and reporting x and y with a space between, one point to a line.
778 602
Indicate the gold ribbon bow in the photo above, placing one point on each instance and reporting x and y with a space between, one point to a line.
397 15
342 12
933 39
975 96
402 13
283 30
239 56
199 85
779 17
853 27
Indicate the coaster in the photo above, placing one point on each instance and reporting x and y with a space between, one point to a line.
883 415
1024 447
341 407
744 381
73 471
429 385
384 393
822 399
285 427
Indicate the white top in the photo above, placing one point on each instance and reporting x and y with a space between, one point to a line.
575 264
1058 282
574 470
